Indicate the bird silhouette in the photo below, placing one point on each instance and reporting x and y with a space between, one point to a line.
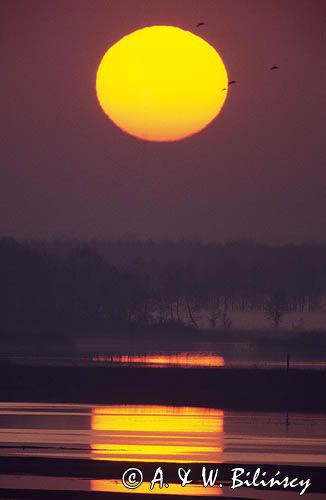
230 83
200 24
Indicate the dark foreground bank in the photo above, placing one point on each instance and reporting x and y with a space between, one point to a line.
97 470
258 389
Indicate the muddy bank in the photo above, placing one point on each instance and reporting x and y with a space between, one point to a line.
257 389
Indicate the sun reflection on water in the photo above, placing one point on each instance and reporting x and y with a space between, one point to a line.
181 359
157 434
116 486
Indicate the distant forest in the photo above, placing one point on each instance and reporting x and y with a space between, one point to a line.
106 285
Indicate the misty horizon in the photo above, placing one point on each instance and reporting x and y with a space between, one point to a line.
135 238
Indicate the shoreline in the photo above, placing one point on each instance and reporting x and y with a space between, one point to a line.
233 389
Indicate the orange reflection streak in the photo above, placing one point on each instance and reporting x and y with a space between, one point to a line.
157 433
116 486
180 359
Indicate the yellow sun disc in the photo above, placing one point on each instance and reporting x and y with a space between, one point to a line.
161 83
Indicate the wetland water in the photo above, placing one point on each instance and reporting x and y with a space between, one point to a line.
84 448
150 435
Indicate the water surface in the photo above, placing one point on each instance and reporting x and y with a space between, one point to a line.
138 434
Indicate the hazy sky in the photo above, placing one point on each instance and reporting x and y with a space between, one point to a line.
259 170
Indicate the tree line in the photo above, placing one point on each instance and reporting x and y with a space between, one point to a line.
111 284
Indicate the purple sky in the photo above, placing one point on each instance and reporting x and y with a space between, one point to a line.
257 171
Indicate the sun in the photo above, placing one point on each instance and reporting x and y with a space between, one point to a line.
161 83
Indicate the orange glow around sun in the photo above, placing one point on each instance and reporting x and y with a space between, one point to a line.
161 83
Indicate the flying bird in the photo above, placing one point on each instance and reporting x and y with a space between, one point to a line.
230 83
200 24
274 67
